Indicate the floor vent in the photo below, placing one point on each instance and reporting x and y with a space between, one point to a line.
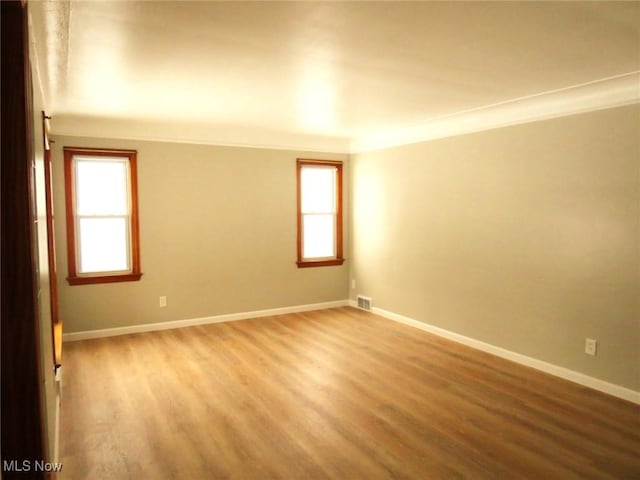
364 302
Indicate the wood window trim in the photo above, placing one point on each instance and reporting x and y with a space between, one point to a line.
69 184
339 260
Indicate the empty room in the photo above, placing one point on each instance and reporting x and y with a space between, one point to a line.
320 240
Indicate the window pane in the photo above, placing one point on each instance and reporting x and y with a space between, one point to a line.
101 186
318 189
103 245
318 236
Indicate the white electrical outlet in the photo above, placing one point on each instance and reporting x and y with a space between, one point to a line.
353 283
590 346
163 301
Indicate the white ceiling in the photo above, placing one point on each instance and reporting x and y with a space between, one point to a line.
330 75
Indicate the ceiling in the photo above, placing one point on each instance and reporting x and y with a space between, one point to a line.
333 76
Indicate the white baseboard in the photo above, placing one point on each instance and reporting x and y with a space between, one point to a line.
56 433
150 327
571 375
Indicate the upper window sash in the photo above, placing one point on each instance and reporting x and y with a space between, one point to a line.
94 197
319 196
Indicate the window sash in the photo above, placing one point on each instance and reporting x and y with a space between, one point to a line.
332 194
125 202
81 271
305 242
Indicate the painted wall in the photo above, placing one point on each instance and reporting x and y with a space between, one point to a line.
51 398
525 237
217 236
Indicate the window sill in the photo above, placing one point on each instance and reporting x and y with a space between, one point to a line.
129 277
319 263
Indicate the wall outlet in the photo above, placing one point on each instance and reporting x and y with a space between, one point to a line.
163 301
353 284
590 346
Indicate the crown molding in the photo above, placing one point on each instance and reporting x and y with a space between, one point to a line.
610 92
77 125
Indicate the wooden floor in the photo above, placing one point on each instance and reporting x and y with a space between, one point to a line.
332 394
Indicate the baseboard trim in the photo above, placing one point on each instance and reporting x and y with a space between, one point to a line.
565 373
150 327
56 434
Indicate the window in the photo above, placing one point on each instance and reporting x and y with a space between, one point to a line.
102 215
319 213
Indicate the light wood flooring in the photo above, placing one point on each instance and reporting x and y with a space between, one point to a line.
331 394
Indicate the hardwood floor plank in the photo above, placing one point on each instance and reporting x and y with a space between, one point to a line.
451 423
339 394
477 404
327 403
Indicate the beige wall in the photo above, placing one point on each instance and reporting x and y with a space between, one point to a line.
50 399
526 237
217 235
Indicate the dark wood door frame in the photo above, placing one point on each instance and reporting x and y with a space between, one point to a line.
22 415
